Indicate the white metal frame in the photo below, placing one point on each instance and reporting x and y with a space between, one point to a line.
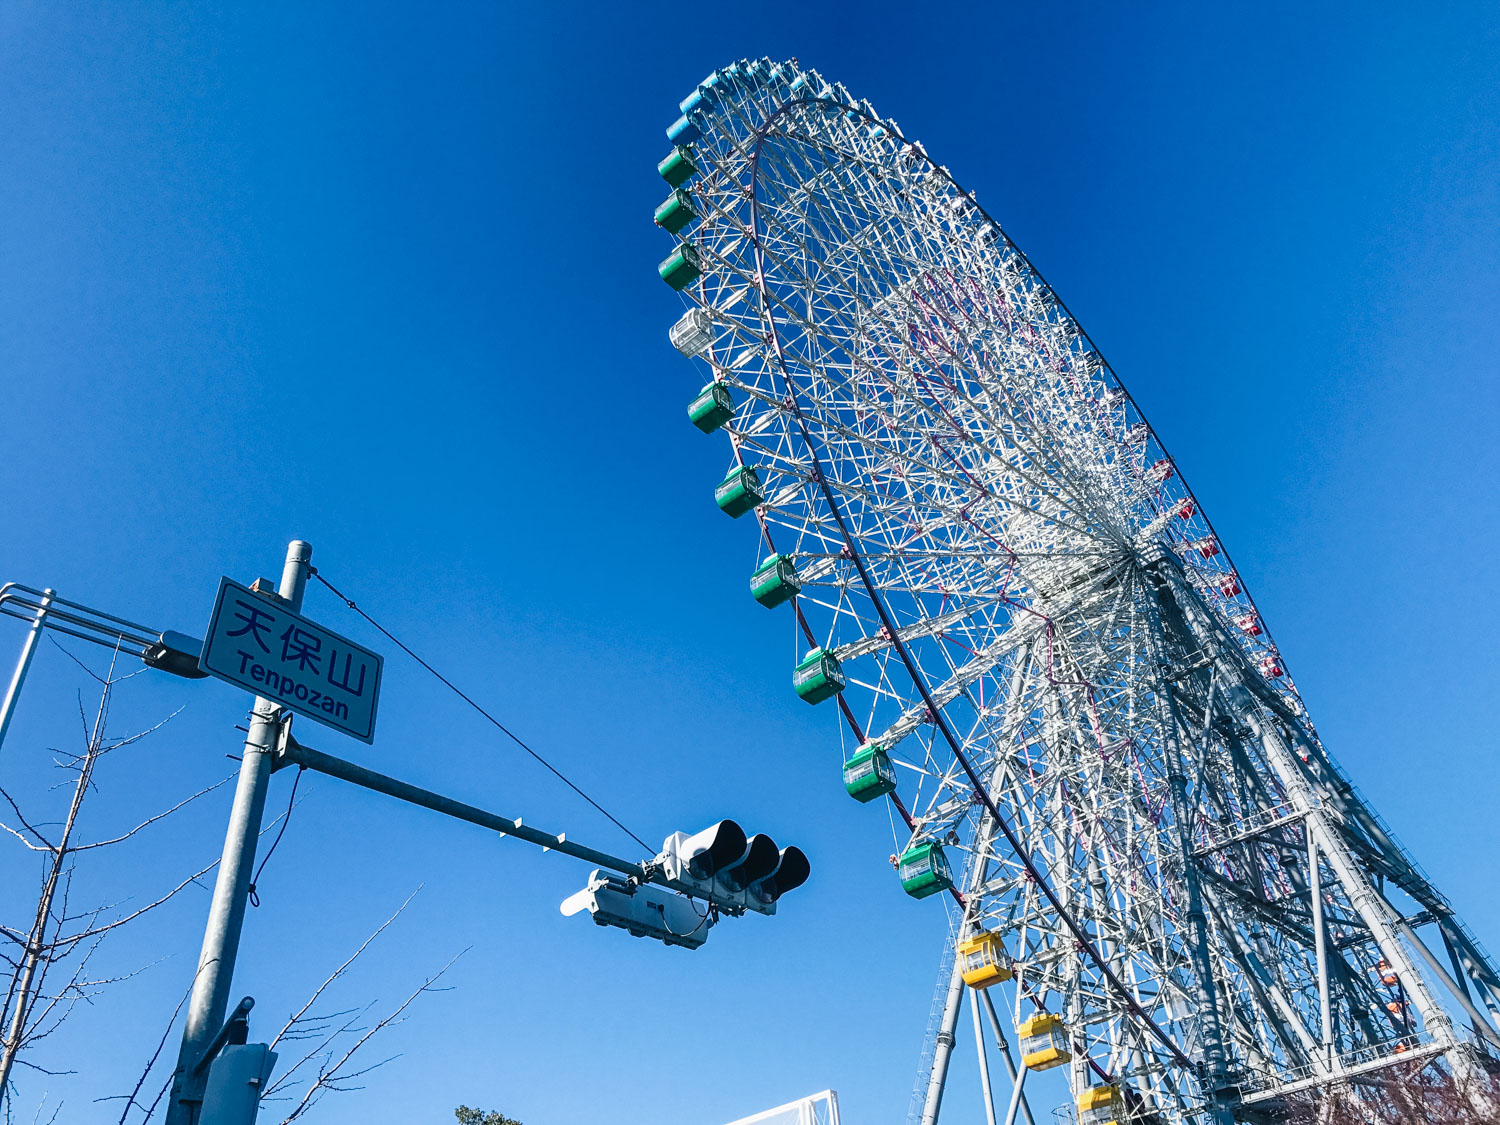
816 1109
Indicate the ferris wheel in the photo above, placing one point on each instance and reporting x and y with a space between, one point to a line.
1033 643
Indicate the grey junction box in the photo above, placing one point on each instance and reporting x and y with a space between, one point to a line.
236 1081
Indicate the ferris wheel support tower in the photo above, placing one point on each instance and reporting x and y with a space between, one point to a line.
1033 644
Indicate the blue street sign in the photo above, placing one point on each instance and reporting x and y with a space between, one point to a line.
257 642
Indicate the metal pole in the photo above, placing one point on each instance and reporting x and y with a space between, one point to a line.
1481 1027
1211 1031
1459 974
1016 1099
943 1050
984 1064
1320 946
1004 1044
226 915
28 650
1363 896
1476 963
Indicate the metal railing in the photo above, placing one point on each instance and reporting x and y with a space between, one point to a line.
169 651
77 620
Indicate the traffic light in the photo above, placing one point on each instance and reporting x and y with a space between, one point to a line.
732 871
729 872
644 910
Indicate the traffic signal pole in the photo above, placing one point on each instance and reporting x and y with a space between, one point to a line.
226 915
720 866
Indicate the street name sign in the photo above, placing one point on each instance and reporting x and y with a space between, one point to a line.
258 643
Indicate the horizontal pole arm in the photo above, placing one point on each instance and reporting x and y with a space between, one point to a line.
293 753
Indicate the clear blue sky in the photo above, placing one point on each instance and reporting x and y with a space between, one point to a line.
381 277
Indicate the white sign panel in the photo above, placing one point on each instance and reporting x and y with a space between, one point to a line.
258 643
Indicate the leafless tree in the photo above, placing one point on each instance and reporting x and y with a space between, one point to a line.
329 1041
334 1038
49 956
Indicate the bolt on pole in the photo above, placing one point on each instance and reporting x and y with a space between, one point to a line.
226 915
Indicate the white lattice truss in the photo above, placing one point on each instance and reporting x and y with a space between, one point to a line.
816 1109
1025 595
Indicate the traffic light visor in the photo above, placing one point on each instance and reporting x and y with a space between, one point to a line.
761 858
791 872
714 849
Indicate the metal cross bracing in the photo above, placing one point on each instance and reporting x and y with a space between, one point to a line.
1039 625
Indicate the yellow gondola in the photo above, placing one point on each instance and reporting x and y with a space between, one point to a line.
1044 1042
982 960
1101 1105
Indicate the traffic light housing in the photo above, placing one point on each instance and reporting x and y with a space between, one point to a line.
642 909
735 872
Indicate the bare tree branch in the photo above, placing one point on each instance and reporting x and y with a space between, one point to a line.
329 1077
74 939
152 820
49 967
121 743
27 843
19 816
36 1117
130 1099
66 652
323 1041
1427 1092
342 969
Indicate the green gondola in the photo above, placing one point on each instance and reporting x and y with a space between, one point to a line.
869 774
682 267
775 581
678 167
924 869
712 408
676 212
739 492
819 676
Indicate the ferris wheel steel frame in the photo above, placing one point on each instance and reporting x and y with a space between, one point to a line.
1039 624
